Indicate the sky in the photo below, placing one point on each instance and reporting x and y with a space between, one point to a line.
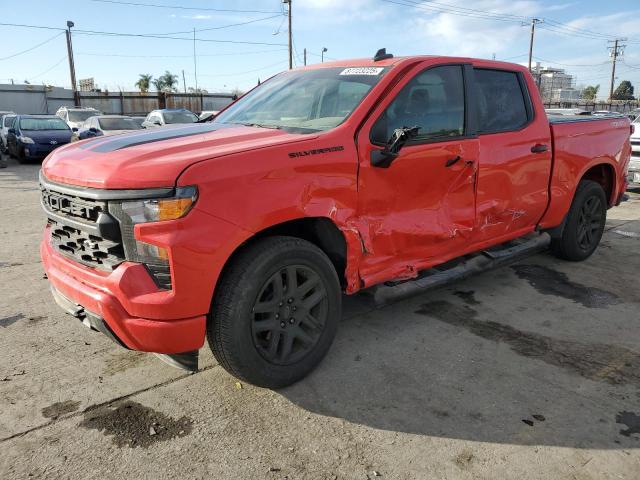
241 41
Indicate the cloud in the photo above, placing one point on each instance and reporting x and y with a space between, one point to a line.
197 17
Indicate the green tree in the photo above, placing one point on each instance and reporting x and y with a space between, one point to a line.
590 92
169 81
624 91
144 82
158 83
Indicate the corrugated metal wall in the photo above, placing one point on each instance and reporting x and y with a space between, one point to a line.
38 99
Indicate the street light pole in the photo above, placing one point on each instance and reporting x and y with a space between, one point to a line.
324 49
72 67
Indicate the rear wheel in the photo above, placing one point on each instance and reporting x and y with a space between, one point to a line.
275 312
584 225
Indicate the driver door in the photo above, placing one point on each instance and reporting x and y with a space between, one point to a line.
420 210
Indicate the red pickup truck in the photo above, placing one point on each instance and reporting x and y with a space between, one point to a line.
325 179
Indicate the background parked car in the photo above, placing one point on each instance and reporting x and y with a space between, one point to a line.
566 111
106 125
76 116
169 116
208 114
6 119
633 175
138 120
35 136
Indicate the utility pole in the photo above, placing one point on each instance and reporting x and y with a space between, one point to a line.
72 67
615 51
324 49
305 57
288 2
195 62
184 82
534 22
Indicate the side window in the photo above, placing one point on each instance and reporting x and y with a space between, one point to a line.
502 104
433 100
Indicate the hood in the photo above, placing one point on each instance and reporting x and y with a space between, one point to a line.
154 158
48 136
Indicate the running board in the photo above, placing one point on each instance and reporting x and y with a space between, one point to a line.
462 268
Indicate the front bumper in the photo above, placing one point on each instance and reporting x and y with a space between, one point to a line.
36 150
93 295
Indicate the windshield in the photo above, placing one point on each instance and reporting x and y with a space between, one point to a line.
81 115
180 117
305 102
42 124
119 124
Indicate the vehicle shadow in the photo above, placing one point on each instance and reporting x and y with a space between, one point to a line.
14 171
490 359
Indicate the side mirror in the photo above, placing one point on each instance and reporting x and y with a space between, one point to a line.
93 130
74 129
12 130
383 158
157 122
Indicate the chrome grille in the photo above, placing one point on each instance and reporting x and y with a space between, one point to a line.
85 248
77 225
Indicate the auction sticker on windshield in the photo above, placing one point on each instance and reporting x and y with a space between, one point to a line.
362 71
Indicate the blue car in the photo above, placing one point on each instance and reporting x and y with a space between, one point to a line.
35 136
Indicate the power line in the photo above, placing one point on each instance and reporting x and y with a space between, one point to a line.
180 7
48 69
180 56
223 26
32 26
34 47
163 37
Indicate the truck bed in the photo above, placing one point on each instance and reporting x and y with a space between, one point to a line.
578 143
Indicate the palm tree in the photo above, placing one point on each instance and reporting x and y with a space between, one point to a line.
159 84
144 82
169 81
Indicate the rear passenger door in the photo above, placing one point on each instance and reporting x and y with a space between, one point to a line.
515 156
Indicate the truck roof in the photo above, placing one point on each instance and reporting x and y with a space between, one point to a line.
396 61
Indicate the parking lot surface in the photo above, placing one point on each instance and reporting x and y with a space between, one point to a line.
528 371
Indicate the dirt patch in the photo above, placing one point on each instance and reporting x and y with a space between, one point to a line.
551 282
134 425
632 422
60 408
606 363
6 321
123 361
467 296
464 458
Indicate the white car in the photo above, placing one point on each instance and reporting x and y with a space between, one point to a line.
76 116
6 120
208 113
633 175
169 116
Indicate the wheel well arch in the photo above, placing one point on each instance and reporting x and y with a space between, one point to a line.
604 174
321 231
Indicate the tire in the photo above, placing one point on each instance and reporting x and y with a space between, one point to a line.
258 331
584 225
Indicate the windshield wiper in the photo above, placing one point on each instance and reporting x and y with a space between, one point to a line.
260 125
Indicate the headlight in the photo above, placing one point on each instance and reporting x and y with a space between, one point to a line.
132 212
24 139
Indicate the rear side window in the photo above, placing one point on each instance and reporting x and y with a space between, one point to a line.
502 103
433 100
8 121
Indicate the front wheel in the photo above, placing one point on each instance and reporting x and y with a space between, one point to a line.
275 312
584 224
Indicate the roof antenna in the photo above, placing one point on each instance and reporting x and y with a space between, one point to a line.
382 55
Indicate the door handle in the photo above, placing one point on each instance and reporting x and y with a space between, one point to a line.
539 148
452 161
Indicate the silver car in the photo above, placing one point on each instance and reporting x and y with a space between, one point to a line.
633 175
6 120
